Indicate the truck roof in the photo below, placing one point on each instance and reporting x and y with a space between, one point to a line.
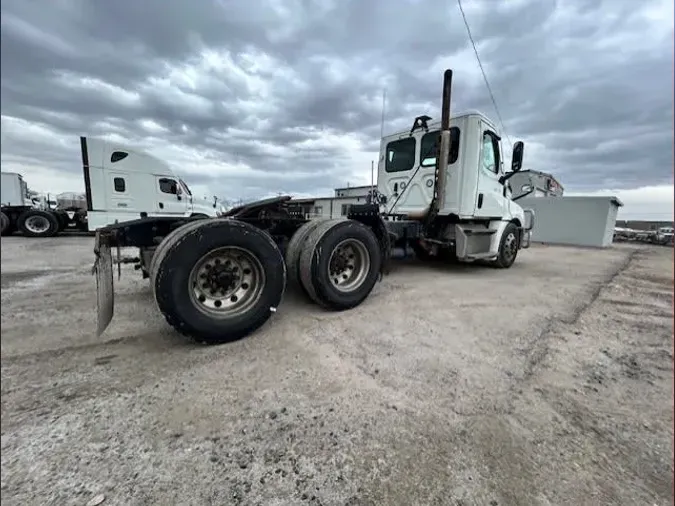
436 124
97 146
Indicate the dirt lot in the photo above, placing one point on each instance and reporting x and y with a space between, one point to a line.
550 383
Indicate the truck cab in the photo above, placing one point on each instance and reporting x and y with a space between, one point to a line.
475 188
443 190
122 183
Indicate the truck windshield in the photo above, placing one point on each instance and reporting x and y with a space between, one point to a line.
185 187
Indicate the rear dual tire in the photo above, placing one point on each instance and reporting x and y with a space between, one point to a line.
217 280
295 248
339 263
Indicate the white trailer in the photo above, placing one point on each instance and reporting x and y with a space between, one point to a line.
121 184
219 280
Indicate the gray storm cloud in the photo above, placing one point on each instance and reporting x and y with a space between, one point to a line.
253 101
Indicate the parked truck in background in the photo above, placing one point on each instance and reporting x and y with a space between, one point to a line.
123 184
664 236
441 190
34 217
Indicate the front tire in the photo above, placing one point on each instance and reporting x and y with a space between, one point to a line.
508 247
219 281
38 223
340 264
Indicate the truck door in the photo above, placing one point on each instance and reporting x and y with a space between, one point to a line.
407 169
490 198
170 198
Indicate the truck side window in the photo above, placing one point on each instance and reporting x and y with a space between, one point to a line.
117 156
118 184
400 155
490 153
431 143
168 186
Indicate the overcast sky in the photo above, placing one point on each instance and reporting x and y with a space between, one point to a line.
247 99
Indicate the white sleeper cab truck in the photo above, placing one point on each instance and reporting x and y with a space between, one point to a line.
441 191
123 183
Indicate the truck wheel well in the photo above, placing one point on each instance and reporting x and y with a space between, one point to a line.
516 222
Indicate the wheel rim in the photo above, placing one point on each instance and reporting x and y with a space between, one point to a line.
226 282
37 224
348 265
510 246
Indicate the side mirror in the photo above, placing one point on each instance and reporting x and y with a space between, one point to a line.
215 201
516 162
179 192
517 157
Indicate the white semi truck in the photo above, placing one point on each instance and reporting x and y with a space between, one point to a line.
22 211
121 184
220 279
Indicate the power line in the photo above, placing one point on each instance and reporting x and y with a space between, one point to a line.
480 64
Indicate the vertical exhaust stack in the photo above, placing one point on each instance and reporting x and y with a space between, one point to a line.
440 178
438 201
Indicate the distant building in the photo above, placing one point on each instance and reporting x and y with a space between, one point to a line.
535 184
336 206
353 191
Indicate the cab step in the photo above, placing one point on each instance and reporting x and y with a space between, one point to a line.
481 256
470 231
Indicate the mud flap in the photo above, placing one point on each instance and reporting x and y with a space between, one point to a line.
525 238
105 295
526 230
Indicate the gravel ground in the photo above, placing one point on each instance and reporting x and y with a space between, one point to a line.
550 383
